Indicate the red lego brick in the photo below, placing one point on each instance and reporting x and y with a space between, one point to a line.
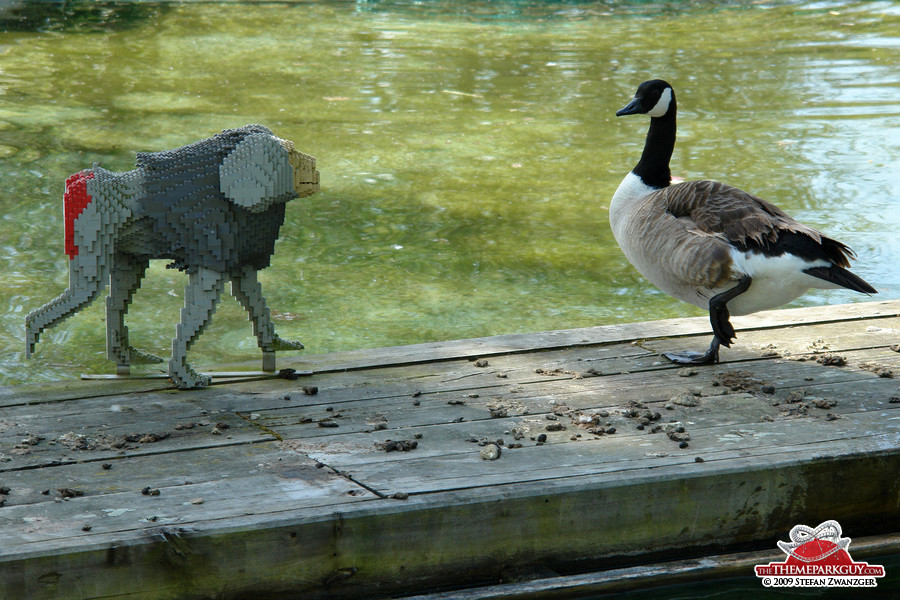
75 200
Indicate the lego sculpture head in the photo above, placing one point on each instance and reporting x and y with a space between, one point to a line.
262 167
214 208
306 178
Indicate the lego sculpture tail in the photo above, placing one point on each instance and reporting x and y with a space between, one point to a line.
213 208
88 228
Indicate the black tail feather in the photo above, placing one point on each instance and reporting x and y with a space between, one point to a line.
842 277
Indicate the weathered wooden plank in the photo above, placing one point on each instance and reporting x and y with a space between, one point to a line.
627 332
273 522
96 475
103 428
649 577
393 411
49 525
620 456
737 414
519 368
797 340
74 389
518 525
464 349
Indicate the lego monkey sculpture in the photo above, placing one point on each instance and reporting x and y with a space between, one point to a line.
214 208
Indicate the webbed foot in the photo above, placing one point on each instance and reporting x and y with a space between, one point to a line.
689 357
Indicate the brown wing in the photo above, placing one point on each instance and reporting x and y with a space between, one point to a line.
681 238
672 251
743 219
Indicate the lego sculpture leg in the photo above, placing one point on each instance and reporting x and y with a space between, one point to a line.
124 279
200 298
87 277
247 290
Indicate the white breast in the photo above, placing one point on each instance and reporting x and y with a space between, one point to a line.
629 192
641 243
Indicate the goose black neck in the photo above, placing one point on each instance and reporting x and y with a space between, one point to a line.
653 168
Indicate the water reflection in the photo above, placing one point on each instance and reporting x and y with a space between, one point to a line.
468 152
75 17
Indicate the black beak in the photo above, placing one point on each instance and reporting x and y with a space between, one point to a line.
633 108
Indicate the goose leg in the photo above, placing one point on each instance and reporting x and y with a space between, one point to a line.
723 331
718 311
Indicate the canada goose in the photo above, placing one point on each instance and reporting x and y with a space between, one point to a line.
713 245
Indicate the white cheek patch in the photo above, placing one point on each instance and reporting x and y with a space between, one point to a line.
662 105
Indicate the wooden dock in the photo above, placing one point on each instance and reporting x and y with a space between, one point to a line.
367 477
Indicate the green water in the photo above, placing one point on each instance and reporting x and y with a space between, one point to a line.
468 152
